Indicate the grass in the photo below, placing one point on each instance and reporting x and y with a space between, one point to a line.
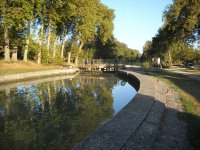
189 91
22 67
195 71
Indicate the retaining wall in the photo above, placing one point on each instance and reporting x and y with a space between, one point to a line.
37 74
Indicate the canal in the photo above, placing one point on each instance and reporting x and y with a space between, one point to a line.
59 112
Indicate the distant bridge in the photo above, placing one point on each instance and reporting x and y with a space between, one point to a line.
101 64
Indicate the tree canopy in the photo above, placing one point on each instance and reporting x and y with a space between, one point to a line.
178 39
182 19
46 30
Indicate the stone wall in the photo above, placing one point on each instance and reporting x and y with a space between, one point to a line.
37 74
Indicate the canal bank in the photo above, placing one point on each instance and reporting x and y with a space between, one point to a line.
149 121
36 74
63 110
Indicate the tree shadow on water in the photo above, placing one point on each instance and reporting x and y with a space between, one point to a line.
147 124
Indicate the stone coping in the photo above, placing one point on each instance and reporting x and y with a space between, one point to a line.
9 85
37 74
115 132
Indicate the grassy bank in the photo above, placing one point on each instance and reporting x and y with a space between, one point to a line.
189 91
193 71
21 67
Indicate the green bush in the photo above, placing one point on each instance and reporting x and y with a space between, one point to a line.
45 56
33 50
146 65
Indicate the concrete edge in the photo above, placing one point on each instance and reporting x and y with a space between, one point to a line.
37 74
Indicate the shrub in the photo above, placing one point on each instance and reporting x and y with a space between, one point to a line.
146 65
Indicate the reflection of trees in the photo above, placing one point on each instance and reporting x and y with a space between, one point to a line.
54 115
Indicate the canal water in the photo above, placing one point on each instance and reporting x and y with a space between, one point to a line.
58 112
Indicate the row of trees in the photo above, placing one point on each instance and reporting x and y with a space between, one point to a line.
53 22
177 41
112 49
44 30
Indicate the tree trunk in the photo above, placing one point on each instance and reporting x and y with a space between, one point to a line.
63 42
26 51
81 46
69 58
170 58
49 38
54 49
25 59
40 44
6 46
14 54
76 60
62 47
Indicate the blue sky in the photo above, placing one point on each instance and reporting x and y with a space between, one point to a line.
137 21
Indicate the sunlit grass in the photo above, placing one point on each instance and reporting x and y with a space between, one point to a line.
193 71
22 67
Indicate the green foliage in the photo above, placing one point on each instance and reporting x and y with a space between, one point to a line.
113 49
16 13
88 53
57 60
146 65
33 50
105 27
179 32
182 18
182 53
45 56
78 21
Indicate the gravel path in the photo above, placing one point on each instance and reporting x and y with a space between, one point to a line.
172 134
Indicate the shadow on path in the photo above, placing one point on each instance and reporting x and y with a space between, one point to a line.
144 123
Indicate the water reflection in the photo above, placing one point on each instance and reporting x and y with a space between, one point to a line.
59 113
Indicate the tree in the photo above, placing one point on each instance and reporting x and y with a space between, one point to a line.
182 18
105 26
55 22
160 44
40 15
65 25
14 14
6 23
56 10
28 19
146 49
85 20
181 53
180 30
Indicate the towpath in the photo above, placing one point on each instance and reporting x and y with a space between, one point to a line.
182 71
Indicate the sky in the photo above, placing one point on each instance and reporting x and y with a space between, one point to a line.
137 21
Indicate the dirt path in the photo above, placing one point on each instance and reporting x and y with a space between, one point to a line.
189 74
172 134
